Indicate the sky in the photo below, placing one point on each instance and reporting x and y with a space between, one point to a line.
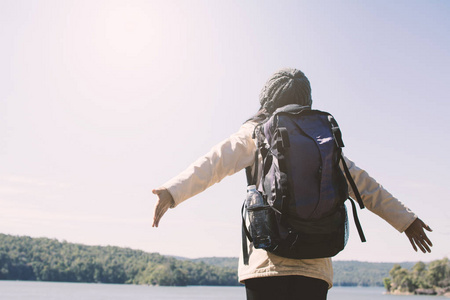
102 101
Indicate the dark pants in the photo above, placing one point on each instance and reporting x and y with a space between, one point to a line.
286 288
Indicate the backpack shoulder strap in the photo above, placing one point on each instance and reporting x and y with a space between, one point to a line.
340 144
336 132
252 177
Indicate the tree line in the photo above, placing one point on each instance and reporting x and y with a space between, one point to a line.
42 259
358 273
432 278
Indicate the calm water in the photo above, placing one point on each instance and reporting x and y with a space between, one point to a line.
21 290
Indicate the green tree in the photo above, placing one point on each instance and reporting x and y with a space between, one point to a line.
401 279
439 273
387 283
418 275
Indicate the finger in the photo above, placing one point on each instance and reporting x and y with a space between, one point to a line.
157 218
419 244
427 227
423 225
156 211
155 223
156 191
425 237
158 215
412 244
424 244
158 208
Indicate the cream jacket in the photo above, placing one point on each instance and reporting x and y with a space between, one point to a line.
236 153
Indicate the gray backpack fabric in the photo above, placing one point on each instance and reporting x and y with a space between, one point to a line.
302 186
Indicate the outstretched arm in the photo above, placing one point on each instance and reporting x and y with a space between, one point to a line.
226 158
417 236
385 205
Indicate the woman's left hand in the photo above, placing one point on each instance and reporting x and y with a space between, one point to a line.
164 202
417 236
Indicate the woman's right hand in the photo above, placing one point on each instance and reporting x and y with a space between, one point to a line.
416 235
164 202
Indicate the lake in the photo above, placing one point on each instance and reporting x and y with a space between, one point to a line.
38 290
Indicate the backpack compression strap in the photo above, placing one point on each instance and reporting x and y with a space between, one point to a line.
283 143
251 180
245 235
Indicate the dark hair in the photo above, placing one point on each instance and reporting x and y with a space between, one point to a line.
286 86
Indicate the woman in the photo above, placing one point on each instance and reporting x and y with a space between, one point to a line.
268 276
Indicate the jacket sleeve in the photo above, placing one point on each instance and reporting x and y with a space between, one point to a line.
226 158
378 200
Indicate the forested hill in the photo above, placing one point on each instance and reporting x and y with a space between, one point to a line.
357 273
25 258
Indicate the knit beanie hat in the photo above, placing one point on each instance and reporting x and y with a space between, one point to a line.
286 86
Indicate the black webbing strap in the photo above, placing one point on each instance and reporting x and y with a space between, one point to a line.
267 164
284 137
340 144
244 247
352 183
251 178
248 174
336 132
282 144
358 225
245 235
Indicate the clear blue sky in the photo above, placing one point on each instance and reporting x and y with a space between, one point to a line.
101 101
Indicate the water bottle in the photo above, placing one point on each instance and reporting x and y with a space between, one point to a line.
258 215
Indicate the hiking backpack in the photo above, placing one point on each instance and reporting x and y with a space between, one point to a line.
301 189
